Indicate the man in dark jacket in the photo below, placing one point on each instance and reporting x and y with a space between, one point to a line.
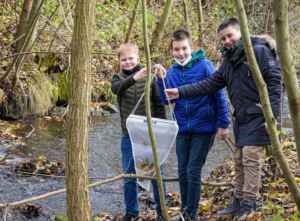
249 127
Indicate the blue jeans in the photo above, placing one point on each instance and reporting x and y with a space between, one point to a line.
130 185
192 150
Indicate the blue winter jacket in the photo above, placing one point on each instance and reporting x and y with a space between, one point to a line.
198 114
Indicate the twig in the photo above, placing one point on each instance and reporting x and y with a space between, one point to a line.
31 131
229 138
266 172
72 23
7 205
64 17
50 52
229 146
3 184
12 42
53 176
56 32
65 112
105 159
41 64
120 176
53 137
281 87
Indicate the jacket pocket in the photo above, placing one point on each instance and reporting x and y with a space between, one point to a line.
255 121
254 110
251 81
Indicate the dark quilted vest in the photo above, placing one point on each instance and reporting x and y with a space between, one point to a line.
129 99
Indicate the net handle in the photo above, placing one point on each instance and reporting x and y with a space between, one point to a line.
170 105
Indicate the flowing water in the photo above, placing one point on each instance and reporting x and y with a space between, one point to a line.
48 139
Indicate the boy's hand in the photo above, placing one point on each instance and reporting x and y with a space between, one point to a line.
160 71
172 93
266 126
222 133
140 75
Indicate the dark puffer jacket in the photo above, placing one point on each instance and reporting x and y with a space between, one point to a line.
129 92
249 128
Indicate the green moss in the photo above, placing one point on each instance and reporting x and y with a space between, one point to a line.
38 98
61 81
61 218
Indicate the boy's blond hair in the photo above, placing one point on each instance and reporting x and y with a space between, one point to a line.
125 48
180 35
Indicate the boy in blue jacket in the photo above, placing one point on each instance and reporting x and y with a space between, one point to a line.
199 119
250 131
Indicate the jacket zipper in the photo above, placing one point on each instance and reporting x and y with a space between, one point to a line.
134 93
186 103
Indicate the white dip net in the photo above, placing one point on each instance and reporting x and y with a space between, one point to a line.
165 132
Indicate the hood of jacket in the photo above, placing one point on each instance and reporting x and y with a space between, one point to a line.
269 42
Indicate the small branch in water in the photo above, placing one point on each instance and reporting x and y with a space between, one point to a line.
105 159
7 205
31 131
65 112
120 176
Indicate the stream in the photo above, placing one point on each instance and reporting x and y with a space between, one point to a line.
48 139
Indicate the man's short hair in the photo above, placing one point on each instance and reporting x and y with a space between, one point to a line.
229 22
127 48
180 35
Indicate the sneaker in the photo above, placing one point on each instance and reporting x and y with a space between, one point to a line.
129 217
231 208
246 208
159 215
184 217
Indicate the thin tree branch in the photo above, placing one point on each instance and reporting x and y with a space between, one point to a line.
12 43
50 52
64 17
121 176
105 159
31 130
72 23
229 145
23 47
56 32
27 191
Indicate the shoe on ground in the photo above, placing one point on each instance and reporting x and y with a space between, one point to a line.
231 208
129 217
184 217
246 208
159 215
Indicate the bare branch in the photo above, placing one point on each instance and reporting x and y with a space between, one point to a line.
51 52
121 176
64 17
105 159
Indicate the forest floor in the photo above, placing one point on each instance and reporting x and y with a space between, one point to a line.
275 202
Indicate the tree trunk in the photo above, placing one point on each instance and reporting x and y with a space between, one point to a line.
137 3
33 18
22 26
267 17
200 20
265 102
148 113
77 183
27 39
186 15
159 31
287 66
